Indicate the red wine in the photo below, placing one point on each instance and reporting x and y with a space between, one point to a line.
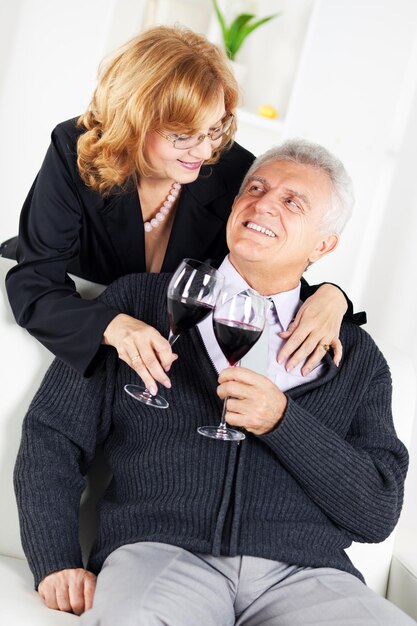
184 313
235 338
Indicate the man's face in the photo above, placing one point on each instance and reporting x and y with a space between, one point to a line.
274 226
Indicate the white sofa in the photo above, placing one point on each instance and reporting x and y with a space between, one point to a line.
22 366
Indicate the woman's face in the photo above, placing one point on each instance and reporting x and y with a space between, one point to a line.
183 166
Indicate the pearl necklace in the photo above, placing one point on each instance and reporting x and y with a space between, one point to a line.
165 208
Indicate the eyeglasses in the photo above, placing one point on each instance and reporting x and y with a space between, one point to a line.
185 142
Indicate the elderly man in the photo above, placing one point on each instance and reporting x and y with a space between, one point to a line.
198 531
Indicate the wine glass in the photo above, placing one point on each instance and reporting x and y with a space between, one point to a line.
238 322
192 294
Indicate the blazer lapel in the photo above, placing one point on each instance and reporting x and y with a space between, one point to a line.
196 223
122 219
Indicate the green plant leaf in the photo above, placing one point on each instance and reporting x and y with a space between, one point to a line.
248 29
235 28
235 34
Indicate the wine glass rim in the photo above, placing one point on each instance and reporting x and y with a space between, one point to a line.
202 266
224 299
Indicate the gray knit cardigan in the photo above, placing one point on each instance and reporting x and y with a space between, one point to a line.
332 471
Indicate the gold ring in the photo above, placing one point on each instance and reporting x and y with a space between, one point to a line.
135 358
326 347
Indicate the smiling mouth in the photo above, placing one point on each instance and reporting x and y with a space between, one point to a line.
191 166
259 229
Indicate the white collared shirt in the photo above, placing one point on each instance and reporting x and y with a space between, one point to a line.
286 305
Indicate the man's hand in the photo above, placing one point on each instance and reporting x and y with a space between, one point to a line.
254 402
316 325
70 590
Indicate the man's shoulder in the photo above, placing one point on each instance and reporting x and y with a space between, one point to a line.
136 291
137 280
359 345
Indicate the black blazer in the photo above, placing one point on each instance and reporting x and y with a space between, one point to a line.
67 227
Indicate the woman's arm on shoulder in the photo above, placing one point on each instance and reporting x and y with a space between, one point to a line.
316 327
358 318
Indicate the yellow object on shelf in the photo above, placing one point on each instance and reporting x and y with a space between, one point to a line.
267 110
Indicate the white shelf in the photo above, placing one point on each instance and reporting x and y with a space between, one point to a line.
258 121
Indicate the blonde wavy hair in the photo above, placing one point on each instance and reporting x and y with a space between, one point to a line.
166 78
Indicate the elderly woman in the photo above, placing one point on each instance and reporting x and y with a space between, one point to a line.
145 177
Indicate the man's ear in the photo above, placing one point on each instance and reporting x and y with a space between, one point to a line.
325 245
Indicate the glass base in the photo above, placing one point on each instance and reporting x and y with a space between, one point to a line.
219 432
143 395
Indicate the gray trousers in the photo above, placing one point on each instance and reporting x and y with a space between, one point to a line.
156 584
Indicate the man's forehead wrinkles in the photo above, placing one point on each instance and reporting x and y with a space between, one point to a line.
290 190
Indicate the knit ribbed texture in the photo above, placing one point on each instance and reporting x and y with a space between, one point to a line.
332 472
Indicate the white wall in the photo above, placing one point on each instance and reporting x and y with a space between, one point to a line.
356 92
50 51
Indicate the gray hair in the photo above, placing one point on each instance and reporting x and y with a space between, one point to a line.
312 154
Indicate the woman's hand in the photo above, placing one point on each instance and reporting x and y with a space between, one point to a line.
315 328
143 348
70 590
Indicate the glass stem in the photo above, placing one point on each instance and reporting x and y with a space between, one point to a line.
222 426
148 397
172 340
